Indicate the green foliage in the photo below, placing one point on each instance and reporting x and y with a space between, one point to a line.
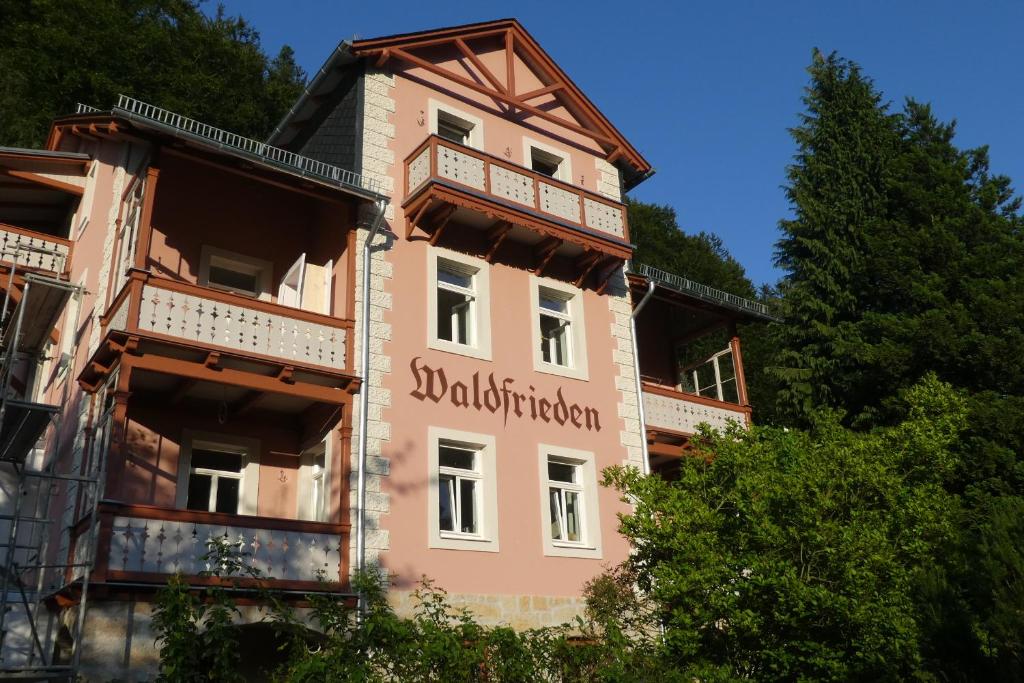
55 53
793 555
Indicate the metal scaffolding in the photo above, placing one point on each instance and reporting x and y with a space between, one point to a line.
48 493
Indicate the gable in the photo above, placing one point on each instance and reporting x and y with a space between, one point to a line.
503 62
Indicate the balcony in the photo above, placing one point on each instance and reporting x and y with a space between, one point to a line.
168 309
447 182
36 251
667 408
146 543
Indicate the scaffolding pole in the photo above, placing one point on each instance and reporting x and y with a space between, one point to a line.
82 481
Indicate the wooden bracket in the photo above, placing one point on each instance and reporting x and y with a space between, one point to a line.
544 253
495 236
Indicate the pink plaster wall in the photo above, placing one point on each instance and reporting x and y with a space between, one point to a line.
520 567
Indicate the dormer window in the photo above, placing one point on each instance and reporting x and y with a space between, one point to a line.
454 125
547 160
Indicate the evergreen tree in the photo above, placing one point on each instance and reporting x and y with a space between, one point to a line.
55 53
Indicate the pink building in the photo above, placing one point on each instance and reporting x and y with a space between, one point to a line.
212 356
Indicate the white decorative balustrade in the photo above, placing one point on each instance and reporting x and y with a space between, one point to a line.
678 414
33 250
228 321
448 161
171 546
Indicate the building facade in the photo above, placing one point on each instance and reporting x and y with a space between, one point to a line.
401 334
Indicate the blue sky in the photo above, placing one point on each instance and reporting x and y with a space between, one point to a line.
707 90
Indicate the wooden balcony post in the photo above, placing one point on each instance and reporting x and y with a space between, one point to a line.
737 361
145 238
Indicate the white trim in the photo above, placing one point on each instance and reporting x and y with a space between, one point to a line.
484 444
265 270
248 495
480 322
590 547
564 167
578 367
475 123
304 507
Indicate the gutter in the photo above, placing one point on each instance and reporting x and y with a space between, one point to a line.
364 396
646 462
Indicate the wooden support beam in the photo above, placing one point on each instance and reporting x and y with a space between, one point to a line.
246 403
495 236
533 94
605 276
212 359
585 264
484 71
238 378
411 225
502 97
45 181
544 253
286 374
510 62
665 450
184 386
442 222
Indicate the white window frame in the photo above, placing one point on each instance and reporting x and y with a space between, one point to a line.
307 507
474 123
564 166
578 366
486 476
712 360
262 268
480 315
128 237
84 212
590 547
248 490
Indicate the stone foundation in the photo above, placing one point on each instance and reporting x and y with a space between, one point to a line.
521 612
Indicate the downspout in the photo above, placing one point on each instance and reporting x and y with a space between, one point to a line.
646 462
364 396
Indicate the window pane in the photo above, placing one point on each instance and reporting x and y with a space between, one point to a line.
454 277
461 458
446 503
554 340
729 391
199 492
559 471
725 367
227 495
572 516
706 380
234 279
319 462
452 316
555 497
450 128
556 304
216 460
467 514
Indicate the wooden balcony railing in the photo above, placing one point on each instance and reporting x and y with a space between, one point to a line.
161 307
442 160
145 543
34 250
678 412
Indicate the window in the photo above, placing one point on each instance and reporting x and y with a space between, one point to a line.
128 238
452 128
314 477
558 329
714 378
215 479
458 483
565 493
458 306
555 327
463 512
218 473
569 516
457 126
547 160
231 272
543 162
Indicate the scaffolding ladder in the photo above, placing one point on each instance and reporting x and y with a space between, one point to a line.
31 465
